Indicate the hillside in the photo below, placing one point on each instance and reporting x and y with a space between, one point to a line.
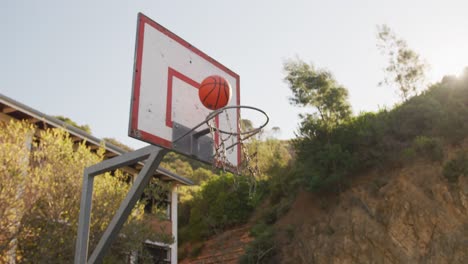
411 214
406 215
384 187
227 247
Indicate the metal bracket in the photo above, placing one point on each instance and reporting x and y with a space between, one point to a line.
193 143
153 156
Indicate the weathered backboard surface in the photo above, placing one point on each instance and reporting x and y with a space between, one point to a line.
165 103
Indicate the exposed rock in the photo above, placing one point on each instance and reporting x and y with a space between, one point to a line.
413 216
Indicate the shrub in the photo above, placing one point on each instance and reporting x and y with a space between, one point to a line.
283 183
290 231
263 248
196 250
47 166
456 167
416 117
327 167
418 127
222 202
427 147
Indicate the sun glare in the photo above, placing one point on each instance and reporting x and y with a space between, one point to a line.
451 59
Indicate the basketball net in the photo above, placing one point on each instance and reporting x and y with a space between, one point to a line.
249 162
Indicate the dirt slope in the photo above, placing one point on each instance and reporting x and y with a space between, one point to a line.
405 215
227 247
410 215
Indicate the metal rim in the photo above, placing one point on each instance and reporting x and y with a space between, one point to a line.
248 133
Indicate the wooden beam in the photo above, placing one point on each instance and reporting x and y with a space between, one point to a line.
33 120
75 139
130 171
5 117
8 110
109 154
93 147
164 178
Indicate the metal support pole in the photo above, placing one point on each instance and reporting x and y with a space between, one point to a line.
154 156
81 251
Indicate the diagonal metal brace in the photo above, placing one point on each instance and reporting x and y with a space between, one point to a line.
153 155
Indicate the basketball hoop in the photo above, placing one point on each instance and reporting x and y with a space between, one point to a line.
246 134
225 139
228 139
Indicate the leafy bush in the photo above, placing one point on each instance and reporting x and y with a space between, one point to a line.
335 162
270 155
456 167
428 147
85 128
47 167
274 212
221 203
418 127
196 250
263 248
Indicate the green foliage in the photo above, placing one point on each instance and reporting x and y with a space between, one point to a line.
40 195
70 122
196 250
430 148
335 163
181 164
416 128
274 212
323 163
246 124
221 203
318 89
280 187
405 69
327 155
187 201
424 147
271 155
283 184
201 175
176 164
117 143
263 248
17 189
456 167
225 200
157 193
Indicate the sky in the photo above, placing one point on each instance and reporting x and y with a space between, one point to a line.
75 58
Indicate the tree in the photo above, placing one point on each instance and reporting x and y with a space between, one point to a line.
70 122
117 143
276 130
405 70
246 124
312 87
40 195
18 190
222 202
270 156
319 158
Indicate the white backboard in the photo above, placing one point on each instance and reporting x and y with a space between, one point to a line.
167 73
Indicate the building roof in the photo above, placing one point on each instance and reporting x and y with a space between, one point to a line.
17 110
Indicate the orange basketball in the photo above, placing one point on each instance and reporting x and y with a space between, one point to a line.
214 92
